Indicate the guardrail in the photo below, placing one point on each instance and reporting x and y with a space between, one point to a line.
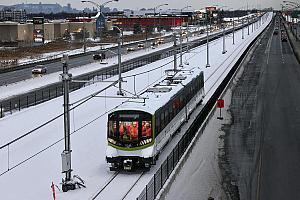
154 186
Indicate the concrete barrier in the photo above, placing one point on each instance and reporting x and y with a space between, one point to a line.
294 43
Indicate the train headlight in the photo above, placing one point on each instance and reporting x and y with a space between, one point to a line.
146 141
112 141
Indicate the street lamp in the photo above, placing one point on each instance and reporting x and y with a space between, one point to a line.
248 19
165 4
291 2
223 27
99 6
180 65
207 38
207 42
233 28
155 8
119 61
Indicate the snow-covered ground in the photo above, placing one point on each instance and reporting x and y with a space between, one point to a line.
32 179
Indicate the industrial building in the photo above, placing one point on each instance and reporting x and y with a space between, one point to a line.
13 15
16 32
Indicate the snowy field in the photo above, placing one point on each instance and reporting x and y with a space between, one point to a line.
32 179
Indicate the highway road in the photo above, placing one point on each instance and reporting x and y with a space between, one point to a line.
263 143
55 66
280 125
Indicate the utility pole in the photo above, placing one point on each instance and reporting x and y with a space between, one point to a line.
224 49
119 64
174 49
84 38
67 183
233 29
252 25
180 65
243 28
207 42
187 31
248 19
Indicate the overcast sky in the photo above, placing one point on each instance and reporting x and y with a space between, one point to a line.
137 4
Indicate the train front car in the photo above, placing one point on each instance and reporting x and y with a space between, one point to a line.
130 140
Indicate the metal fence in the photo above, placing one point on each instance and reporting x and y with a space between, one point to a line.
161 176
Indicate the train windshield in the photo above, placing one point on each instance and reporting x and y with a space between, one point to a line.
130 129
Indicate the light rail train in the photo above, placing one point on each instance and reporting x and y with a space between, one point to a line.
138 130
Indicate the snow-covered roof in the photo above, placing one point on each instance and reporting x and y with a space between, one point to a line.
161 92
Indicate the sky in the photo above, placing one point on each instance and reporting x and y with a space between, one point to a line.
137 4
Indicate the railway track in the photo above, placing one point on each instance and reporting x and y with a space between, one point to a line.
114 187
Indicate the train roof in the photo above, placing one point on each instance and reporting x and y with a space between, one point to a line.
158 94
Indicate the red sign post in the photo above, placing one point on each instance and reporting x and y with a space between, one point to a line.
220 104
53 191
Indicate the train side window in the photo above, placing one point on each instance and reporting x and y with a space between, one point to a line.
162 120
157 124
167 116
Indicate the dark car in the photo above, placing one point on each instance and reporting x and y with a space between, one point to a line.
98 56
141 46
283 38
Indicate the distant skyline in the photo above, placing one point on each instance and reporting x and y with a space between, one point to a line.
138 4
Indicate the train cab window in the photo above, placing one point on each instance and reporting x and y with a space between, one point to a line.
130 129
146 129
128 132
112 131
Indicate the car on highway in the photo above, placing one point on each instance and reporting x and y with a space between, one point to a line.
141 46
275 31
130 49
97 57
283 38
39 69
160 40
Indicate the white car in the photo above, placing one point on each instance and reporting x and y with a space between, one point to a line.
39 69
130 49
